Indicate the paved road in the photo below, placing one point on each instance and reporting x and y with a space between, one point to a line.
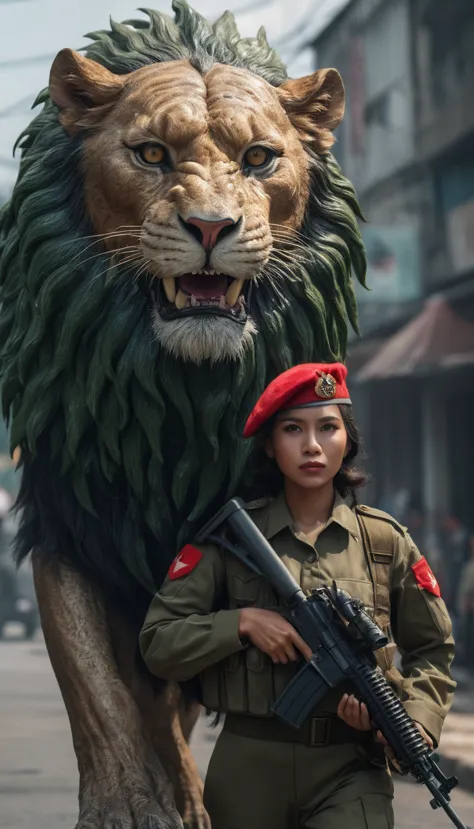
38 777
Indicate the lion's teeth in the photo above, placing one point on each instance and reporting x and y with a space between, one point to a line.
181 300
233 292
222 303
169 288
194 301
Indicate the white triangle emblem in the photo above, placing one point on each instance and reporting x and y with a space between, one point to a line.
178 565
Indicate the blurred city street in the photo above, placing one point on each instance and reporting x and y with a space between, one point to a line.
38 777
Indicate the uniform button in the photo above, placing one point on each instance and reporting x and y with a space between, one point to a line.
311 559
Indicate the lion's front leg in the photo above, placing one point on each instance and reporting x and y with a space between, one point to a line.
168 721
122 783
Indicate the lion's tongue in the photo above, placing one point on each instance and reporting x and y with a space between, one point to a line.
203 286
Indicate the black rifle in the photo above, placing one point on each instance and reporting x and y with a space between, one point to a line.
343 638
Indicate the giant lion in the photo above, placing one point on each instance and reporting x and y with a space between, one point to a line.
179 233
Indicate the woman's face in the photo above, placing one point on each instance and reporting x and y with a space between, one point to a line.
309 445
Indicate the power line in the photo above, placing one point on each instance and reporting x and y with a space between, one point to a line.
7 64
251 7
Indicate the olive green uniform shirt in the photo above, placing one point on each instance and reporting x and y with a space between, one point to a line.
192 624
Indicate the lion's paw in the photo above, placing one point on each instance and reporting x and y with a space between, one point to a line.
131 805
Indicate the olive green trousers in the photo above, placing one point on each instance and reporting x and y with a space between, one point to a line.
263 784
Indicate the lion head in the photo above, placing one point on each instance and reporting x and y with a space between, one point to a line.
196 170
178 234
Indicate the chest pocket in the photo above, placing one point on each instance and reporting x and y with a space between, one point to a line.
247 589
243 589
247 681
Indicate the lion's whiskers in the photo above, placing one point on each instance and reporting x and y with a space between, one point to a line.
113 254
142 269
111 265
121 229
291 244
289 256
291 232
101 252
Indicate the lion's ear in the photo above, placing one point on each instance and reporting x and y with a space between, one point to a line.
82 89
315 106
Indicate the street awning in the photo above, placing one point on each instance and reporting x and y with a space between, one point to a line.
359 352
436 338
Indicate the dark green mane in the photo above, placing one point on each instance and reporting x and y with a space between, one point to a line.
125 449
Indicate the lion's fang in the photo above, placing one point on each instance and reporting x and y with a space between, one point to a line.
169 288
181 300
233 292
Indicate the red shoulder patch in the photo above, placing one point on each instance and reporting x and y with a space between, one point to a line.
184 562
425 576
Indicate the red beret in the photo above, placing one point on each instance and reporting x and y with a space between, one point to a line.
310 384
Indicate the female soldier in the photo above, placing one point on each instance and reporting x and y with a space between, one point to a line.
216 618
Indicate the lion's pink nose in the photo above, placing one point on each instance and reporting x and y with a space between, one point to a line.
208 233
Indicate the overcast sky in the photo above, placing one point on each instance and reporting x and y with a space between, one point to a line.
33 31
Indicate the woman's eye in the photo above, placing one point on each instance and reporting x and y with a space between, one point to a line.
257 158
329 427
292 427
151 154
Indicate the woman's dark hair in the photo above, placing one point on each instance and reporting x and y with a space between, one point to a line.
263 478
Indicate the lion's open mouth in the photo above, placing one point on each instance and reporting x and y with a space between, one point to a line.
203 292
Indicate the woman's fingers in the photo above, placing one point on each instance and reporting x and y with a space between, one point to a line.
290 651
389 750
303 648
424 734
354 713
341 708
365 717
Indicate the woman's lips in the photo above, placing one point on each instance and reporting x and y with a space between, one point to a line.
312 465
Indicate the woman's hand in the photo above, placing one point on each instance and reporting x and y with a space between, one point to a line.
272 634
355 714
389 750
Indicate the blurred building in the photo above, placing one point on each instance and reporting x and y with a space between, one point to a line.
407 143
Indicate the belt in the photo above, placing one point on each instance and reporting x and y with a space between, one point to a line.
317 731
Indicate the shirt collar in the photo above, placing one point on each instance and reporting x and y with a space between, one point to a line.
343 515
277 516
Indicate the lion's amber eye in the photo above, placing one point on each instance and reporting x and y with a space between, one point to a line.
257 157
152 153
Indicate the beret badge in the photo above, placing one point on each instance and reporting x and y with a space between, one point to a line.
325 386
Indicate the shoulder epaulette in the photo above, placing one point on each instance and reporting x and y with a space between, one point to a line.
371 512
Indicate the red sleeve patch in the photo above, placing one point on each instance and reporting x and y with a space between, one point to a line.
425 576
184 562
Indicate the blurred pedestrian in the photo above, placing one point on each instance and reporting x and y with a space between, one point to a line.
456 554
466 607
